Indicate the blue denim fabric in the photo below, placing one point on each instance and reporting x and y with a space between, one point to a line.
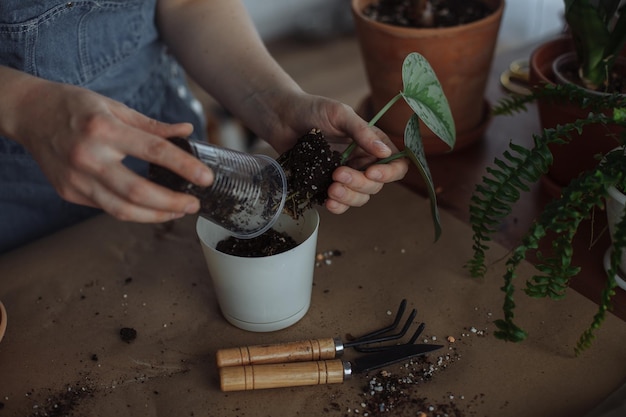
111 47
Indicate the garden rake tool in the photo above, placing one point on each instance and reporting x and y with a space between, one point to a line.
332 371
319 349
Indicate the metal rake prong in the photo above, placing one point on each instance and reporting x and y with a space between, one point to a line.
411 341
375 333
417 334
405 329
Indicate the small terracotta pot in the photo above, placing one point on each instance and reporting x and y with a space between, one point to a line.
581 154
461 56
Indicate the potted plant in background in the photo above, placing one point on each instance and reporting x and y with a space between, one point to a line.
457 37
549 239
596 33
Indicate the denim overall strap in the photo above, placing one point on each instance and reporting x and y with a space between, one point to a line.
108 46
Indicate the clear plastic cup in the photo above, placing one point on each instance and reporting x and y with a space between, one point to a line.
247 195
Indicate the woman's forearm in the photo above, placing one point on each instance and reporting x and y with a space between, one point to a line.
16 89
219 47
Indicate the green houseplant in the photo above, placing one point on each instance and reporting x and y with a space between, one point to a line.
425 96
587 55
308 178
384 43
445 32
599 33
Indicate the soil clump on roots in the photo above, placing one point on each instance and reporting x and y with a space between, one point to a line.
309 168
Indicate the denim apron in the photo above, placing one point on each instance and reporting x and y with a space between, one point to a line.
111 47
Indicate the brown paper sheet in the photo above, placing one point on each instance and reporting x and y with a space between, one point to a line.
68 296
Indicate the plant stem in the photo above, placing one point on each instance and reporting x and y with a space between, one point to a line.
403 153
384 109
346 154
393 157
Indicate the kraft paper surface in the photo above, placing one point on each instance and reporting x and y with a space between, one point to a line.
68 296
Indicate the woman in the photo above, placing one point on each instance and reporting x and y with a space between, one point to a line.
90 89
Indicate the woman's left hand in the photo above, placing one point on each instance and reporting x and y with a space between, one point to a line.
352 187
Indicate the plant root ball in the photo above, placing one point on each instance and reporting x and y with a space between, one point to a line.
309 168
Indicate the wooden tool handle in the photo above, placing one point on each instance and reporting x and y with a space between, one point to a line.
302 351
294 374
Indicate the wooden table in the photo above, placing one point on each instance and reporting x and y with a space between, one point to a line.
69 295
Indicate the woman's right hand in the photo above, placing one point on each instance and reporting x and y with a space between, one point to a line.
80 138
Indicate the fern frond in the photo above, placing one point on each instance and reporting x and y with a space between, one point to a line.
562 217
614 164
594 102
493 199
512 175
619 245
507 329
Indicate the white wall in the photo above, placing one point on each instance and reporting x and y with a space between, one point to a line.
274 18
528 20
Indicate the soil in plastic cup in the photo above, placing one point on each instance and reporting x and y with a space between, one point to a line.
247 195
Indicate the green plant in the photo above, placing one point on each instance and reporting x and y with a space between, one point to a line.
598 29
558 223
423 93
309 165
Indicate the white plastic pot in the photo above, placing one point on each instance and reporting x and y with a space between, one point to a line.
266 293
615 210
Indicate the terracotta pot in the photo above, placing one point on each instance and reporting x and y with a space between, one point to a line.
461 57
581 153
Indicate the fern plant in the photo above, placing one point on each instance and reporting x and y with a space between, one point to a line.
512 175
